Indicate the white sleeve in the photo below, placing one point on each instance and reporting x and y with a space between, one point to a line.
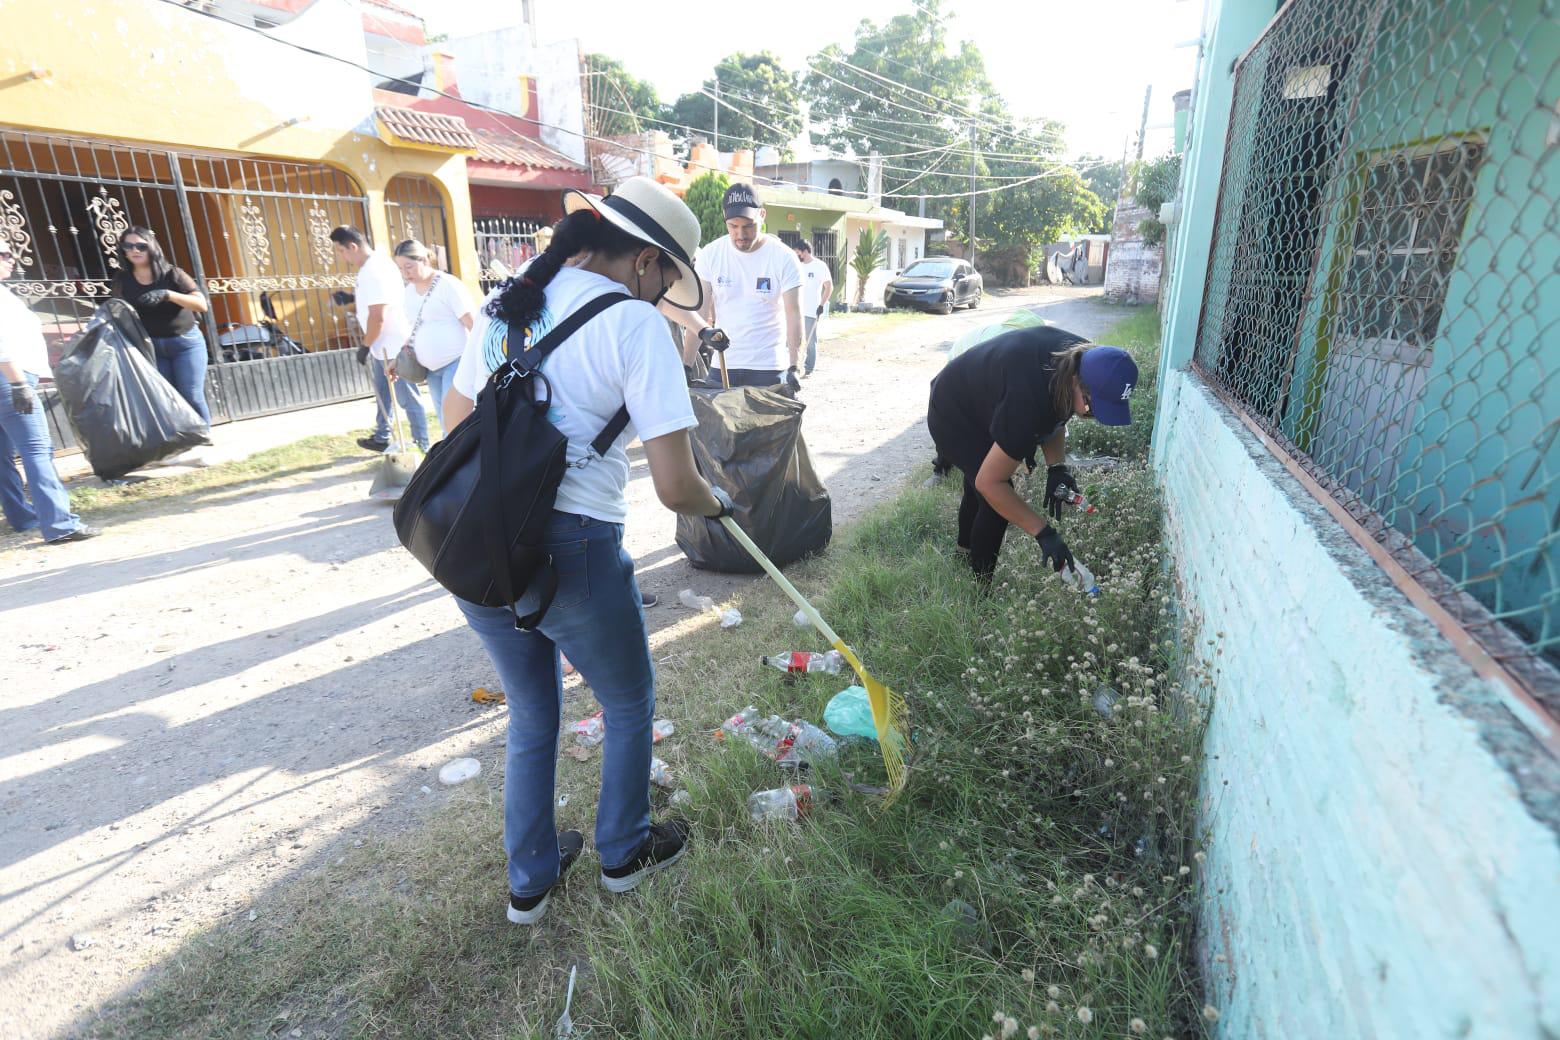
655 387
372 288
457 297
472 373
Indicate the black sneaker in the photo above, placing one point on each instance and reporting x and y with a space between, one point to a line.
372 444
664 846
80 534
529 909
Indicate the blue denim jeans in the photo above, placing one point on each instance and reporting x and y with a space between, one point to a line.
407 395
810 344
182 361
439 382
747 377
596 619
28 436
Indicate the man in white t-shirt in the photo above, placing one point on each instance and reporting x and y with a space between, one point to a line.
378 297
817 287
752 292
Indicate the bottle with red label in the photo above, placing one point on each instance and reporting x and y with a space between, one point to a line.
788 743
785 803
801 662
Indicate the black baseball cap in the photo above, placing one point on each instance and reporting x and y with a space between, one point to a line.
740 201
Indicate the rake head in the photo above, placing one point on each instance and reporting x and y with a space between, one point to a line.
891 716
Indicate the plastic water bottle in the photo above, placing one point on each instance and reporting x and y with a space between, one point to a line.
798 662
1078 576
785 742
1068 497
693 601
785 803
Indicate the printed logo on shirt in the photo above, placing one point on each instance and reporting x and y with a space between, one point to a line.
765 285
725 281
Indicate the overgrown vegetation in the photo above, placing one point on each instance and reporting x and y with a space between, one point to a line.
1035 879
704 197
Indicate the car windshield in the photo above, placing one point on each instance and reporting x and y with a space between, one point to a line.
929 269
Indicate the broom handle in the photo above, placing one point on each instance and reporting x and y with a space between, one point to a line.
725 377
790 590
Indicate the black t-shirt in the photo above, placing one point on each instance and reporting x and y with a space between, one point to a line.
166 318
998 393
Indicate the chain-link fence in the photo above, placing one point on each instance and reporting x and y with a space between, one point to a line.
1383 289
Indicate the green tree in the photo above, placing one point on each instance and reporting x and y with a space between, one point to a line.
1155 183
618 102
870 253
761 103
704 198
1103 176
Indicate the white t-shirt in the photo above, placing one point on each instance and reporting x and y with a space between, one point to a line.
814 273
380 281
21 337
441 338
624 355
750 298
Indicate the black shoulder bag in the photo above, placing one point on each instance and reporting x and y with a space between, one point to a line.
477 510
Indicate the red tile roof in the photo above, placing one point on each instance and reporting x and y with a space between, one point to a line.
511 149
426 128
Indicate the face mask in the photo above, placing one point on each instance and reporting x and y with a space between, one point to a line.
665 288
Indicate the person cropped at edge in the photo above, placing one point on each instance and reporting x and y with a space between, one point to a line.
994 404
166 300
639 241
752 309
379 299
441 312
24 429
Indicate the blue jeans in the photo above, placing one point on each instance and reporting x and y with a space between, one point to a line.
439 382
748 377
182 361
596 619
407 396
28 435
810 340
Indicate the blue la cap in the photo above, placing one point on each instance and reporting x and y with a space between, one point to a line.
1108 374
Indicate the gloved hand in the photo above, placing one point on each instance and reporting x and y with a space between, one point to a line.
24 398
1053 550
820 310
793 380
341 298
154 297
714 339
362 356
1057 477
727 506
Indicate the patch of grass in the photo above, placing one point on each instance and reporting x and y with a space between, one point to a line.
1052 795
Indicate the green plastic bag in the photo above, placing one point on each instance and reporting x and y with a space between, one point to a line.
849 714
1020 319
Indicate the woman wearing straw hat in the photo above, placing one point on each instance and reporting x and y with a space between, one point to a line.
639 241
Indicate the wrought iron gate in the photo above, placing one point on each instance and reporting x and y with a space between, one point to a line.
253 232
503 244
415 209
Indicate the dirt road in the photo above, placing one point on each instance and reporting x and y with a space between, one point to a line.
208 699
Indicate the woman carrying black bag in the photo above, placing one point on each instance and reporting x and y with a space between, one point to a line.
640 241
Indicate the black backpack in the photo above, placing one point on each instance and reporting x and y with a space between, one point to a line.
476 511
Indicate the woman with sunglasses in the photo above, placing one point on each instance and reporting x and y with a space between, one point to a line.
167 301
993 405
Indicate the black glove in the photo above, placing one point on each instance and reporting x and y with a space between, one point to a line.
341 298
362 356
727 506
154 297
24 399
820 310
714 339
793 380
1053 550
1056 478
1030 464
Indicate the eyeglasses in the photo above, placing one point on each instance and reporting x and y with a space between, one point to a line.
139 247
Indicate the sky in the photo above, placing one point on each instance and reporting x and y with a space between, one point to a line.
1085 62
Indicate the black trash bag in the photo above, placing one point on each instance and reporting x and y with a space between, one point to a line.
125 414
749 441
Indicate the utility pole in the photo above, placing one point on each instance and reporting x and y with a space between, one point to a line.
717 119
972 192
1143 126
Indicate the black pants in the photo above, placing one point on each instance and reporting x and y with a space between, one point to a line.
748 376
981 530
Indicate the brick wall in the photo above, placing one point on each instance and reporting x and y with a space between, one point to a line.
1132 272
1382 832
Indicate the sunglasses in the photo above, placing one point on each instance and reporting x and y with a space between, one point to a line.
138 247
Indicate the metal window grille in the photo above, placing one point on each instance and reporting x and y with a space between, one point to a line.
415 209
1382 294
503 244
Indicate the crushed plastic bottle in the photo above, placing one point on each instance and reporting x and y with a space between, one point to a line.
660 773
785 803
1104 701
661 729
1078 576
785 742
731 617
693 601
1069 497
458 771
800 662
590 731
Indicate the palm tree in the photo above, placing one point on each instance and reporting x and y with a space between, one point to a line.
870 254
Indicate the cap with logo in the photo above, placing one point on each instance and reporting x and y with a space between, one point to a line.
1108 374
740 201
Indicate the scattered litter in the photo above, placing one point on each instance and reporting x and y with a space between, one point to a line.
783 741
799 619
253 914
82 941
564 1030
458 771
731 617
1078 576
802 662
660 773
1104 701
425 789
681 798
692 601
590 731
563 799
1092 462
966 921
579 754
660 730
849 714
483 695
785 803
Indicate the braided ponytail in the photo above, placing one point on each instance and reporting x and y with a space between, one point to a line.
522 298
